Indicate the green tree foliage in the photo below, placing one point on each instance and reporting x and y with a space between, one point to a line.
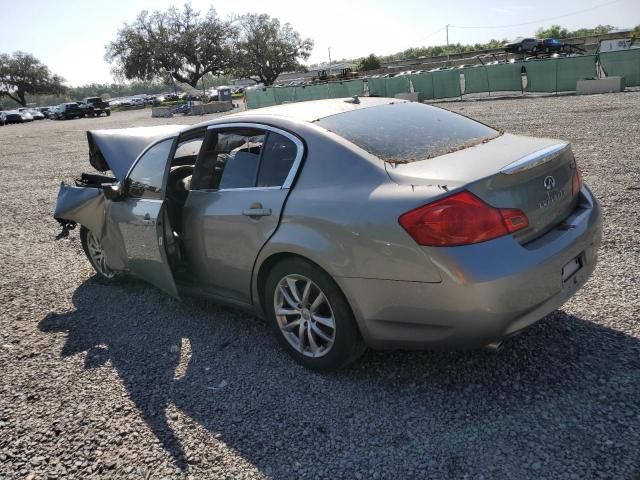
369 63
266 48
556 31
22 74
635 34
183 44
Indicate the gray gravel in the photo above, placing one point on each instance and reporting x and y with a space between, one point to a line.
119 381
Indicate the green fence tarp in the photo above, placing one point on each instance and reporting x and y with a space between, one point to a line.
336 90
397 85
303 93
446 83
541 75
319 92
623 63
377 87
354 87
260 97
572 69
284 95
476 79
423 83
504 77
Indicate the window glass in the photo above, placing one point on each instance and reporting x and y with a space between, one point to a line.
407 132
240 159
277 160
145 180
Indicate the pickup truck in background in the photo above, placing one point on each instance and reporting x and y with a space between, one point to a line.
94 107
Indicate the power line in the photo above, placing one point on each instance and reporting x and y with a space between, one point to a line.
538 21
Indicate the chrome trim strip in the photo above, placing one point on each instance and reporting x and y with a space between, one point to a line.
296 161
534 159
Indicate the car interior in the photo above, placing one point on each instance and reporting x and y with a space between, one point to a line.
208 160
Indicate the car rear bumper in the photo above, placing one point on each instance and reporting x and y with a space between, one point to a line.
489 291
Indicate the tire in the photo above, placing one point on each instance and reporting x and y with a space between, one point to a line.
89 244
332 348
108 114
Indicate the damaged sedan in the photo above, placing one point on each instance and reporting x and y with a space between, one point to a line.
344 223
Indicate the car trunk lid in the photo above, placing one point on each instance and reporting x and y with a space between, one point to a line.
531 174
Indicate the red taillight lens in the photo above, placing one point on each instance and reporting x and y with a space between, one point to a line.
576 181
460 219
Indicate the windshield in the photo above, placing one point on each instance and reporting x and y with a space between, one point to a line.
407 132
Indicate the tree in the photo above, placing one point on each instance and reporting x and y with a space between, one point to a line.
266 49
183 44
635 34
23 74
556 31
369 63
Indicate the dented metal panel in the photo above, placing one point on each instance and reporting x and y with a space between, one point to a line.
83 205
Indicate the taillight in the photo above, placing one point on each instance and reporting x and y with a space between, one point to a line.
461 219
576 181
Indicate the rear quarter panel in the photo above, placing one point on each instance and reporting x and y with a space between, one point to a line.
342 214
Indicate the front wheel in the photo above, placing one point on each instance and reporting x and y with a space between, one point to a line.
94 251
310 316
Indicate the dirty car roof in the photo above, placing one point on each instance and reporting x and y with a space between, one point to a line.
311 111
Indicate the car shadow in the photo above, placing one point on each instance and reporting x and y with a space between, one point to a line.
223 369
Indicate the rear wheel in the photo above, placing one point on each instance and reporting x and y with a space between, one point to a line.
310 316
95 253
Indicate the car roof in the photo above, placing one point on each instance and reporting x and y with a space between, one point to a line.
314 110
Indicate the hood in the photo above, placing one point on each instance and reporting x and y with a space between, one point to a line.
117 149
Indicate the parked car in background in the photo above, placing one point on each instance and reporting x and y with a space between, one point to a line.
457 235
44 111
66 111
52 112
137 102
35 113
520 45
94 107
15 116
548 45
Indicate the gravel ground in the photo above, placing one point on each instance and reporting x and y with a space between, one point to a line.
120 381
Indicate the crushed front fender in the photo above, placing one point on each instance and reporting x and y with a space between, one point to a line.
83 205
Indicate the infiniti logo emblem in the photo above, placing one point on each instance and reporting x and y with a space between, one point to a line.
549 183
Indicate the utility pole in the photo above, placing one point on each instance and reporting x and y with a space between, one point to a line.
329 60
447 30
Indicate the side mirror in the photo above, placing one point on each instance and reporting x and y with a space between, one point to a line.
113 191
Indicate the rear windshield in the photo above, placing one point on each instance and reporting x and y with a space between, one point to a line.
407 132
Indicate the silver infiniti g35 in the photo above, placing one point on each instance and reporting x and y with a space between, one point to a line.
345 223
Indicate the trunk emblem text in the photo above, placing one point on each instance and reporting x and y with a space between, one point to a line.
552 196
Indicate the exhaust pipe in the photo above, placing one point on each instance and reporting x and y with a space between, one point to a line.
494 346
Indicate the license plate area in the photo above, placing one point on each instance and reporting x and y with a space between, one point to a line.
571 268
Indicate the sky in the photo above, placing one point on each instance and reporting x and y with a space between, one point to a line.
70 36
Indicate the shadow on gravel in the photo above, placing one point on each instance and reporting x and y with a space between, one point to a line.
564 388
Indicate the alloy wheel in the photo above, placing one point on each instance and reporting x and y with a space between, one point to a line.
98 257
304 315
